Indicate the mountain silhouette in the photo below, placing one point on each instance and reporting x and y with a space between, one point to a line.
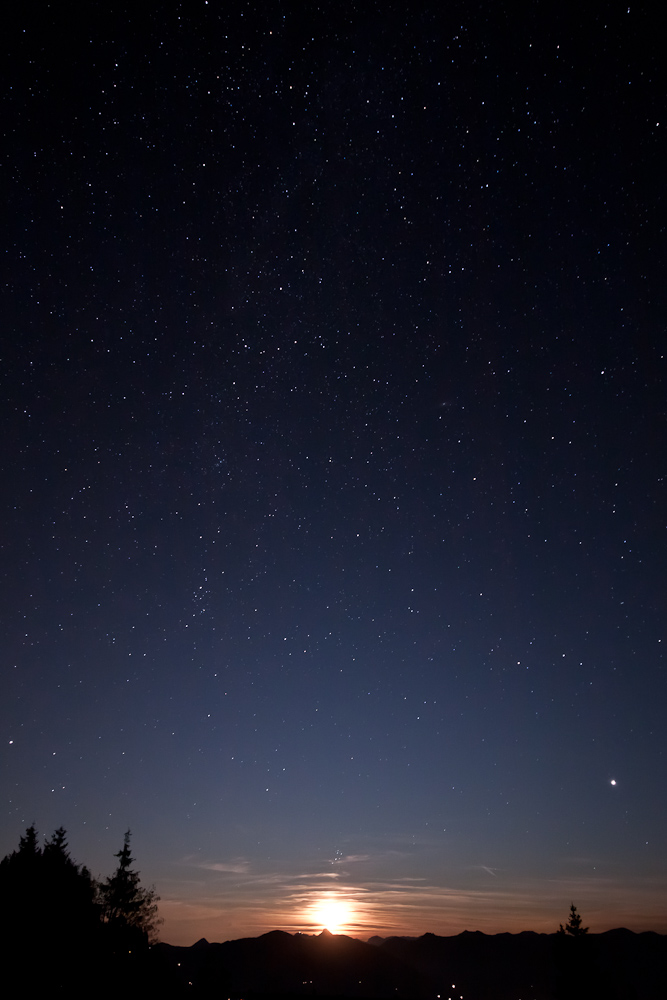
301 965
617 965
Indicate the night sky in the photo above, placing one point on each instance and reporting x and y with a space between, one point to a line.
333 459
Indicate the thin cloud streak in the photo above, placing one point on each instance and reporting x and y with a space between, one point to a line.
214 866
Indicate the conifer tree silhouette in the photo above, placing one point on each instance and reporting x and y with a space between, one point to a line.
573 926
62 931
129 908
50 918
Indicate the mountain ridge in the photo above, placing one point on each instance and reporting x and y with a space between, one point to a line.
612 965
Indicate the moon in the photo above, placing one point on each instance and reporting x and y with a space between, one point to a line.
333 914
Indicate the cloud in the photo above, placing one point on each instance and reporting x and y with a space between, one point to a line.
333 875
238 866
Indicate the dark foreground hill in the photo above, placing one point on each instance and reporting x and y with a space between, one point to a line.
617 965
281 963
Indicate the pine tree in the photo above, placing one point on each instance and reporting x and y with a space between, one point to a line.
128 908
56 847
573 926
28 846
48 912
69 889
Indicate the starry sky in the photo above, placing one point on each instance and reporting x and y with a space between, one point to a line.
333 458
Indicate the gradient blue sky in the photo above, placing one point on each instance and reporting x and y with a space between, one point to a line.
333 461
